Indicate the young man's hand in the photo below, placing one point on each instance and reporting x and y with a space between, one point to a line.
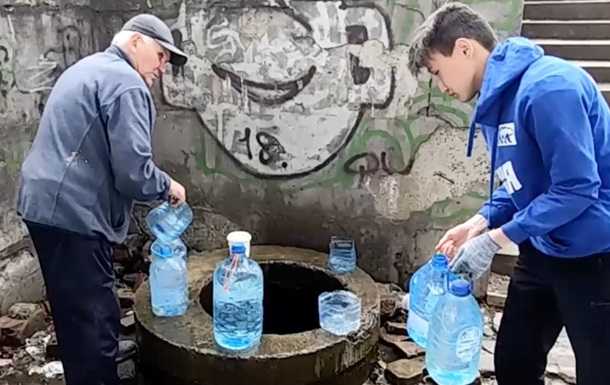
475 256
177 194
456 237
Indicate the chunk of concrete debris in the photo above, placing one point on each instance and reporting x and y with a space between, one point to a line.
409 348
399 328
128 323
405 372
22 311
496 299
53 369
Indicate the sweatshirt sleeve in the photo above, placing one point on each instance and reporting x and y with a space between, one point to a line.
559 122
499 209
129 127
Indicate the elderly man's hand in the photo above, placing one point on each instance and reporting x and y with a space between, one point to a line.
177 193
475 256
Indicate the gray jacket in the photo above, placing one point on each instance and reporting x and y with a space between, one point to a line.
92 154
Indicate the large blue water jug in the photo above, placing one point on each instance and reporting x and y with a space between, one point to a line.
167 222
168 281
454 339
427 285
238 301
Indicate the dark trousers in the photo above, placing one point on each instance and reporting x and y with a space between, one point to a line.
79 280
545 294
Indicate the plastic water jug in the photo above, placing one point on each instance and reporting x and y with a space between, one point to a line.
454 338
342 255
339 312
168 281
238 301
427 285
167 222
179 249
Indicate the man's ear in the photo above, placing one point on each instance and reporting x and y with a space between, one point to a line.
463 47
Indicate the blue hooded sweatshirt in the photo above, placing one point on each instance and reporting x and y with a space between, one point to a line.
547 128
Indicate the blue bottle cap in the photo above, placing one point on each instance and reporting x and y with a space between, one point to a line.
439 260
161 249
459 287
238 248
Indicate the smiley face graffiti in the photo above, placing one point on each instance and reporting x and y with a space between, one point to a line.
280 88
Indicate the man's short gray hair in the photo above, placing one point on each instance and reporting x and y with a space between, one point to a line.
442 28
123 37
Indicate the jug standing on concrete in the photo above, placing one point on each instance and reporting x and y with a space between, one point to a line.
454 338
238 299
427 285
168 281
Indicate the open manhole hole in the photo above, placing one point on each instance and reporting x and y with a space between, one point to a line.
290 299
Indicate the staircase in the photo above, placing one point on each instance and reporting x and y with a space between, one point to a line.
576 30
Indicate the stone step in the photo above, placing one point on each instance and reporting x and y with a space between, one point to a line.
600 70
566 29
576 49
566 10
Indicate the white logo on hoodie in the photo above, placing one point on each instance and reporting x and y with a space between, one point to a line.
506 135
506 174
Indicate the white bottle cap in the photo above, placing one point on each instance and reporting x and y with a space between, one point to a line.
242 237
239 236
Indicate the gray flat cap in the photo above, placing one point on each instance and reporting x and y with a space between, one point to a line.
155 28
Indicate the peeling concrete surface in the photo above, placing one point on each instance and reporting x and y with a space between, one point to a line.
296 120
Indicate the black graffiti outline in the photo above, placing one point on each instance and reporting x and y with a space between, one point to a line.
242 4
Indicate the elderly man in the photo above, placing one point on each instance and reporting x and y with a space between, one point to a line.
90 160
547 128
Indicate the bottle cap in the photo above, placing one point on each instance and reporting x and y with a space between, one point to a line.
459 287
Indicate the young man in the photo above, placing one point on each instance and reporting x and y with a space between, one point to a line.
90 159
547 128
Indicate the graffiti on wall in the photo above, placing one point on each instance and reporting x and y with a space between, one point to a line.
284 89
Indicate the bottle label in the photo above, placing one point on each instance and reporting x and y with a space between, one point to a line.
468 344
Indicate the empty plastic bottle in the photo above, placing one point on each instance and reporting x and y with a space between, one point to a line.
168 281
454 339
427 285
342 255
238 301
167 222
339 312
179 248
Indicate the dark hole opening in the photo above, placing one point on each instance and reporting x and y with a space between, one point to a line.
290 299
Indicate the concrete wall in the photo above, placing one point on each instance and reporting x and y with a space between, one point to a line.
296 120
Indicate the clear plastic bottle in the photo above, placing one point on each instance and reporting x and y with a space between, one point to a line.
167 222
238 301
342 255
427 285
168 281
339 312
179 249
454 339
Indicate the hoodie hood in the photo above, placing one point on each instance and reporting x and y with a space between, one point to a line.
505 65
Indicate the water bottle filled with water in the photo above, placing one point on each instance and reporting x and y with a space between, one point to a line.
167 222
342 255
238 301
168 281
427 285
454 339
